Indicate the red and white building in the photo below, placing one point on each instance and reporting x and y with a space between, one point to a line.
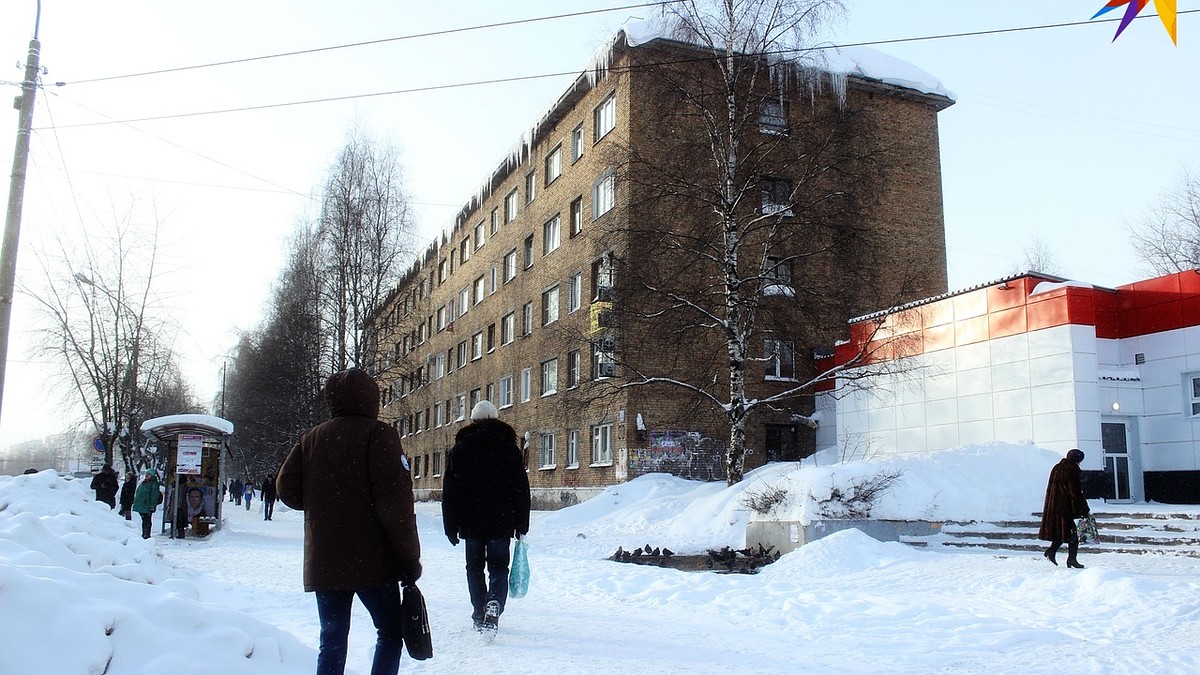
1113 372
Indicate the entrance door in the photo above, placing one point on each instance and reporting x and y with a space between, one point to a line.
1121 466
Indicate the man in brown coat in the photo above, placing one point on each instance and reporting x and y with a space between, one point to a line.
1064 503
350 477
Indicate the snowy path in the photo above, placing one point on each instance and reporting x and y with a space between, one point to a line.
846 604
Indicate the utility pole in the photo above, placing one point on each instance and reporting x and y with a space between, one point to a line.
16 195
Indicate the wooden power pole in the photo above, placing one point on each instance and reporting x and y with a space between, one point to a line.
16 196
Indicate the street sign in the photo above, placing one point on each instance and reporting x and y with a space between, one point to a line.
98 444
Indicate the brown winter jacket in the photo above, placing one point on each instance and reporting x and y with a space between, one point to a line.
350 478
1064 502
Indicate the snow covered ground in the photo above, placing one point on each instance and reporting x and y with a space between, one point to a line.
81 592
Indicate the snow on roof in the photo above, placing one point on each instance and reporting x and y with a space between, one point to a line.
862 62
875 65
172 424
1047 286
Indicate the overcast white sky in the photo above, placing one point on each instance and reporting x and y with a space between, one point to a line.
1059 134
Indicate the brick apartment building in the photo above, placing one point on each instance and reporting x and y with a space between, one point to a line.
536 298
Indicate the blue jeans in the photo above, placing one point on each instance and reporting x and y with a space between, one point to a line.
493 553
333 609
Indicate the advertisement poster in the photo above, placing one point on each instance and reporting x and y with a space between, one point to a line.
191 451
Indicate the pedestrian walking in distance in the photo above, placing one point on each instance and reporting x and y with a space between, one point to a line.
485 503
350 477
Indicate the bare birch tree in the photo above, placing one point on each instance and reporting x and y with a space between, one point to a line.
102 324
1167 237
761 248
365 232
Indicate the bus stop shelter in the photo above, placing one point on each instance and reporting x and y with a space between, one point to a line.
193 449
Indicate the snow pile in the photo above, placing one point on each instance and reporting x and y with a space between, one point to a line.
72 567
987 482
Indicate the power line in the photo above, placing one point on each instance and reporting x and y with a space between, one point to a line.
526 78
365 43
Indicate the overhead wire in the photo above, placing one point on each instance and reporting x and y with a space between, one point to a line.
524 78
364 43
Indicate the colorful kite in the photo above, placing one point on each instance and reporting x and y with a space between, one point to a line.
1165 8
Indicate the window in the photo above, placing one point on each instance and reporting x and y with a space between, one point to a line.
602 277
475 397
603 195
510 207
529 251
508 324
462 354
603 363
464 250
780 359
510 265
438 418
572 448
441 318
550 306
526 384
546 450
441 271
460 407
777 277
604 117
602 444
480 289
554 164
1195 391
493 279
491 338
576 216
530 186
491 391
464 300
480 235
772 116
506 391
440 366
527 319
477 346
572 368
577 143
549 376
494 220
437 463
574 292
550 235
776 196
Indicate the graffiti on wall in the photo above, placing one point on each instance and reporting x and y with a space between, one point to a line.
686 454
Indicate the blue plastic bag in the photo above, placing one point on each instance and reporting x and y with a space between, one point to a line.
518 573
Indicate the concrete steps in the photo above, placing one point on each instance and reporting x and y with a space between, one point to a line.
1171 532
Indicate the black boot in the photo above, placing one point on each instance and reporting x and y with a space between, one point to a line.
1050 552
1072 551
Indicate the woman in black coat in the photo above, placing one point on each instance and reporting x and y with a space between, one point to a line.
1064 503
127 491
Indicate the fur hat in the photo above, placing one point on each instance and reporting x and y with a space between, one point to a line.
1075 455
484 410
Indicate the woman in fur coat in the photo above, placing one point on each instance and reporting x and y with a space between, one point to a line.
1064 503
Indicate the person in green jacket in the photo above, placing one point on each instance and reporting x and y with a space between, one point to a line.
147 499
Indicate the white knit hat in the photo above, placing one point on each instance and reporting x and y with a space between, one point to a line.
484 410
